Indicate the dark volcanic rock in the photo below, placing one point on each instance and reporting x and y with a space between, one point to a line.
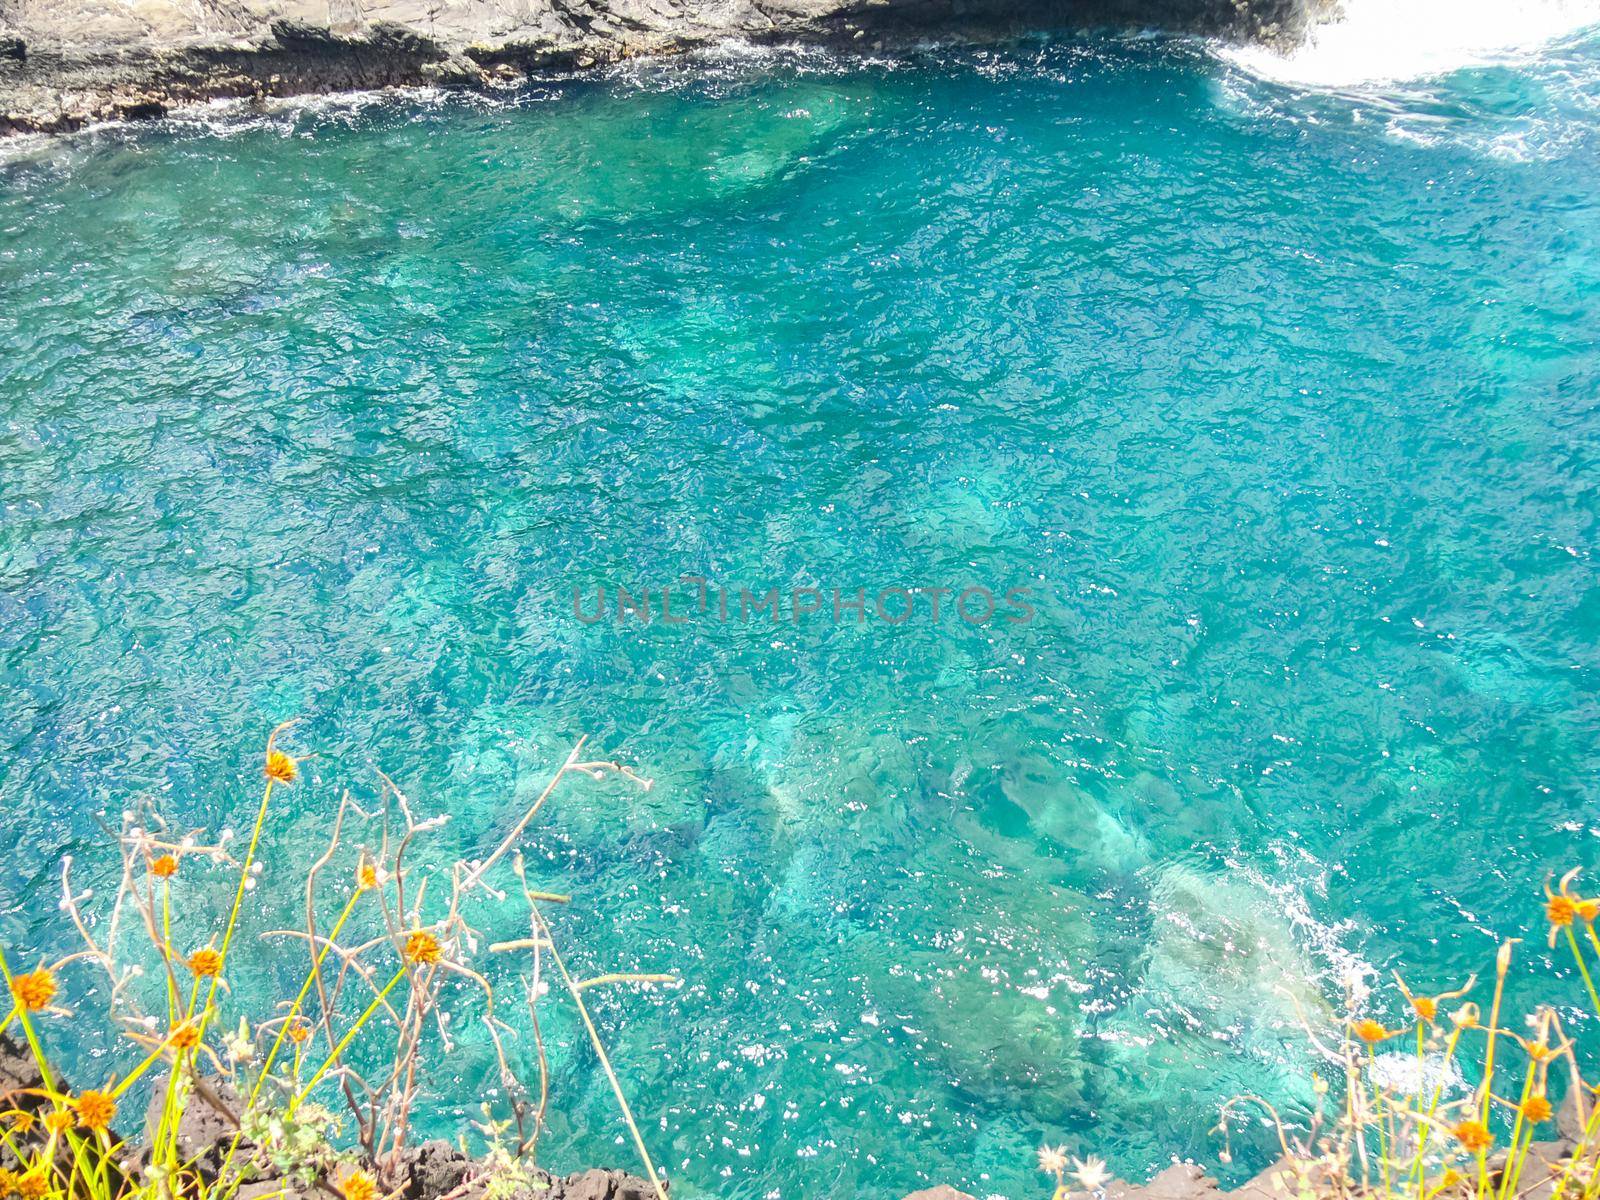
281 1189
430 1170
18 1073
209 1120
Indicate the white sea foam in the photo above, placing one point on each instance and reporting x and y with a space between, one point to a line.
1385 41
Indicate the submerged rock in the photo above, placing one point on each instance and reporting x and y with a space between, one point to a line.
1224 978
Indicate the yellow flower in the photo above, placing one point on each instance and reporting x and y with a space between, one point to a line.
358 1185
1537 1109
422 947
184 1037
57 1121
366 876
1451 1178
95 1110
1369 1031
164 867
34 990
205 961
1473 1136
8 1181
281 768
1588 910
33 1186
19 1120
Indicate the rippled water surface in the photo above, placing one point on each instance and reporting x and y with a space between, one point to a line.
1283 405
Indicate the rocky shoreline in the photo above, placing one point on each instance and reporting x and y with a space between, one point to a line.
434 1170
68 63
437 1170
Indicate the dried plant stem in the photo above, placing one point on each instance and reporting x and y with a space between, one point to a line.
605 1062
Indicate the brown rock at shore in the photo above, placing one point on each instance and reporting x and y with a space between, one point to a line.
64 63
1180 1181
601 1185
1572 1114
1261 1186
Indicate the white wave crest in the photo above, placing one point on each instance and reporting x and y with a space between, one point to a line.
1378 41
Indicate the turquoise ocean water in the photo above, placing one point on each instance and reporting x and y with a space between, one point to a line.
1283 404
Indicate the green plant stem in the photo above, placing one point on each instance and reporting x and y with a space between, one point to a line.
305 988
1577 957
277 1042
1514 1161
346 1039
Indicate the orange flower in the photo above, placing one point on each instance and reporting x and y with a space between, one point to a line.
422 947
8 1181
34 990
57 1121
1561 905
1537 1109
1369 1031
1473 1136
33 1186
164 867
366 876
281 768
1560 910
95 1110
298 1031
1425 1007
184 1037
358 1185
205 961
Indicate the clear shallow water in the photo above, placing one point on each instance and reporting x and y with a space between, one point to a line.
1282 403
